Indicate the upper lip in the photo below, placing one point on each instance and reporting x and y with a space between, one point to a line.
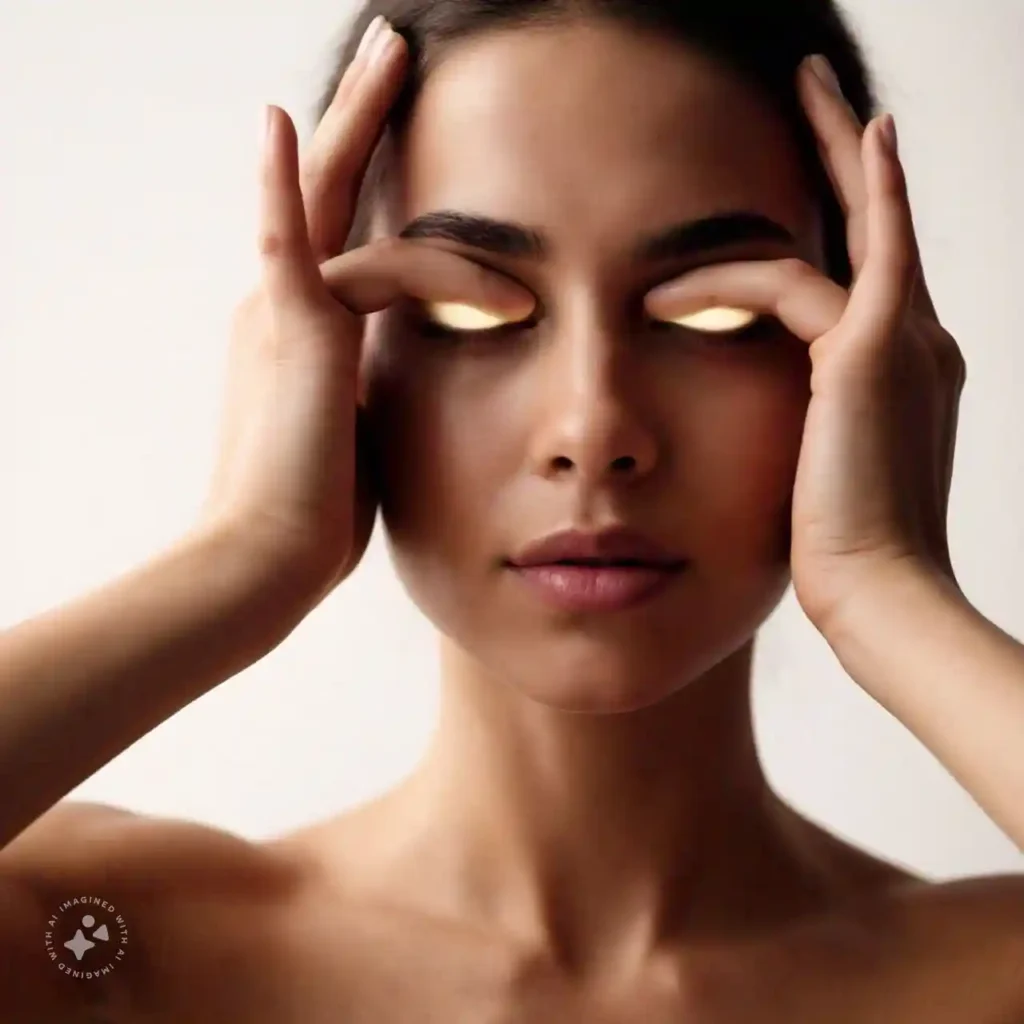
617 544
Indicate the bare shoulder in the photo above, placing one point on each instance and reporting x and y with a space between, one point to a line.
93 886
984 905
951 917
920 941
144 857
962 943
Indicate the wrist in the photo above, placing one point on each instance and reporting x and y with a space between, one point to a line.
896 601
277 580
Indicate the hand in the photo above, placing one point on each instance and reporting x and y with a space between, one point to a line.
287 472
873 479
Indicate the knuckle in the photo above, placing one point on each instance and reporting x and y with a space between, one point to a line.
796 269
797 276
949 357
958 369
389 249
274 243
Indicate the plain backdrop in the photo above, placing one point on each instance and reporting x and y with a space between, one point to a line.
128 197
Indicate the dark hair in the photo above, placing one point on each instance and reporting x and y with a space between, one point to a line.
764 40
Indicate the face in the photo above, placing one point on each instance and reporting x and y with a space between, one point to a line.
595 140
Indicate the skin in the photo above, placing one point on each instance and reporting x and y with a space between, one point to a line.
590 835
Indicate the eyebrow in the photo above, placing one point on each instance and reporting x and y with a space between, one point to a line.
689 238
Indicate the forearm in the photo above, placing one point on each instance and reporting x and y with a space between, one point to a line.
951 676
82 682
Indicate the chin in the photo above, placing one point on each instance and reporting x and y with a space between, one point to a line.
577 674
603 664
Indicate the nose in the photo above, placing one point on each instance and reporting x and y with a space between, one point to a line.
591 423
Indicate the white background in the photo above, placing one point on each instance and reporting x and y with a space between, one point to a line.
128 143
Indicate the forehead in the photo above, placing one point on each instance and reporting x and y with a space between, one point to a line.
595 134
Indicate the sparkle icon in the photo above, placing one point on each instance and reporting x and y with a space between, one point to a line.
80 945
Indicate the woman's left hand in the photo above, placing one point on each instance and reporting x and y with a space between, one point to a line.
873 478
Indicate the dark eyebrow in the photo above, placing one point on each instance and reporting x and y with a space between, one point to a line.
678 241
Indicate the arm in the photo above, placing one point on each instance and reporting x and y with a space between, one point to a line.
869 554
925 653
85 681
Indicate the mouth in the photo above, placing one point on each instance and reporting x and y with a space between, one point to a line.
597 572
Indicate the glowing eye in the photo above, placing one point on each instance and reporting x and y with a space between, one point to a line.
717 319
457 316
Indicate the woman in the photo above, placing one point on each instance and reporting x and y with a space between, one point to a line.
616 391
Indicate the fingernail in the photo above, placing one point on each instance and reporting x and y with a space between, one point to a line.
369 35
825 74
383 42
889 136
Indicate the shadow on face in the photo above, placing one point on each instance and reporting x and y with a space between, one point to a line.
600 143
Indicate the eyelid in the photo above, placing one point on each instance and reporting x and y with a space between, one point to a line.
461 316
715 319
464 316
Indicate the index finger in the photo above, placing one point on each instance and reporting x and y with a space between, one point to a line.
343 143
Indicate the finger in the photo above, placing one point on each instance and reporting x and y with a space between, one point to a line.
881 295
377 275
358 65
839 133
290 273
345 140
806 302
920 299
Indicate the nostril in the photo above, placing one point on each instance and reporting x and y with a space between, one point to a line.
623 464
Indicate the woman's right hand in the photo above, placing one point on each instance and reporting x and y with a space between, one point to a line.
287 470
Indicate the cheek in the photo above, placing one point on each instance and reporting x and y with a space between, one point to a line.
446 444
740 461
452 433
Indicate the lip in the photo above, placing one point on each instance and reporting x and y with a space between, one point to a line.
626 568
617 544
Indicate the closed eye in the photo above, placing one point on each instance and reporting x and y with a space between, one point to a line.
716 320
462 318
454 319
458 316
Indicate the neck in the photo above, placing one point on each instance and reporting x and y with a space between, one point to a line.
583 832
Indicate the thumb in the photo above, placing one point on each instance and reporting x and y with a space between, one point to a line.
803 299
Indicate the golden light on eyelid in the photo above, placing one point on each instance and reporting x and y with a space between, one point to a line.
461 317
716 318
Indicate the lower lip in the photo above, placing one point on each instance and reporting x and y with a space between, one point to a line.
581 588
